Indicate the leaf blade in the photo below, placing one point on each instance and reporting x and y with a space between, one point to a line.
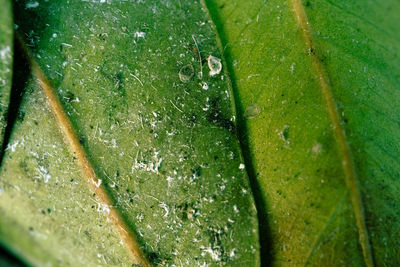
277 76
208 205
6 62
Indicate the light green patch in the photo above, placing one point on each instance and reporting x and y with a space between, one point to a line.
48 214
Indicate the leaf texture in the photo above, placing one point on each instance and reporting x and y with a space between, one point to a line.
6 62
317 91
160 136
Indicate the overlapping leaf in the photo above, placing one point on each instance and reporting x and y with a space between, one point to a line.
317 87
162 144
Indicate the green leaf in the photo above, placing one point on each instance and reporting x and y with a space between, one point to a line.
6 62
147 120
125 148
317 88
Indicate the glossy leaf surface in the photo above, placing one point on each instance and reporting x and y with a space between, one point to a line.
161 141
317 88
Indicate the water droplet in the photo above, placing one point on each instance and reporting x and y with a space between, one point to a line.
215 65
186 73
252 111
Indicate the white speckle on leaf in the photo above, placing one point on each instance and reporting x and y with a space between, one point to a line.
98 183
138 35
66 45
292 68
14 145
235 209
32 4
205 86
101 207
165 207
253 75
44 173
114 143
207 107
215 65
5 53
241 166
214 254
149 167
169 180
134 76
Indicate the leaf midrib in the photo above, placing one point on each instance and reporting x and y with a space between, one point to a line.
339 132
72 140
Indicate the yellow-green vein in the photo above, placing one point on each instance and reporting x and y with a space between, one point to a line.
347 161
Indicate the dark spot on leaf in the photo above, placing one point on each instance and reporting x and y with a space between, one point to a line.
20 116
102 36
197 172
69 96
155 258
186 211
217 117
285 133
89 236
24 166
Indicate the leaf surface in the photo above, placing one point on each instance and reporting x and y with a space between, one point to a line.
6 62
317 90
157 129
